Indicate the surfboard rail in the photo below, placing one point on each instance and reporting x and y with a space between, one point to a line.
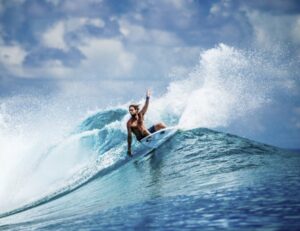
157 138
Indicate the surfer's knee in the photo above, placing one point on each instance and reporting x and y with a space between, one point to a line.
159 126
162 125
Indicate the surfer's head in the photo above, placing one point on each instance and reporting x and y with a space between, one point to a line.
133 109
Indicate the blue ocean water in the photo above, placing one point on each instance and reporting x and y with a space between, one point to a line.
199 179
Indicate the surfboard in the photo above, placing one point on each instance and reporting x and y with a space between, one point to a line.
158 138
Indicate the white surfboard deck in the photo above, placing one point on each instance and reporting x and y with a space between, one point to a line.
158 138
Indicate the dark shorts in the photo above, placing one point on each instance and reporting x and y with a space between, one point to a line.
151 129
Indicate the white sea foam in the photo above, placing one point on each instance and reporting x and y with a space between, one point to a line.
29 127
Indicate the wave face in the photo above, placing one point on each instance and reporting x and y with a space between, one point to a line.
198 179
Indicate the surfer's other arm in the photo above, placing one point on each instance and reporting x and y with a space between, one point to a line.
129 138
144 109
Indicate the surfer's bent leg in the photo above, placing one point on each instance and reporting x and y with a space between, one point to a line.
159 126
156 127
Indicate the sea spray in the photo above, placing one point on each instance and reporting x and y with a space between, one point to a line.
220 90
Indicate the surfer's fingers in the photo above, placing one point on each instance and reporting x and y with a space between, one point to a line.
148 92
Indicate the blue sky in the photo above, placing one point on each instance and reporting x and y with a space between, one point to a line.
102 49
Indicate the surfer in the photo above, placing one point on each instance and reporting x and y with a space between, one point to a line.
136 124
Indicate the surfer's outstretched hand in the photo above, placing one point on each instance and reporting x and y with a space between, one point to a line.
148 94
129 153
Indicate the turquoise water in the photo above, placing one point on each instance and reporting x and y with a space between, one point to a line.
199 179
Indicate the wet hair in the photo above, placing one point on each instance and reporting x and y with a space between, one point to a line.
135 106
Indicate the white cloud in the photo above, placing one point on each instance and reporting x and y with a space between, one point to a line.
12 57
215 9
103 58
73 24
221 8
271 31
177 3
96 22
136 33
54 37
163 53
110 59
51 68
78 6
106 58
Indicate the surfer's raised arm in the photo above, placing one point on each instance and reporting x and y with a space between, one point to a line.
129 137
144 109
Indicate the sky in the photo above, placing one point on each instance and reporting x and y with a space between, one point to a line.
110 51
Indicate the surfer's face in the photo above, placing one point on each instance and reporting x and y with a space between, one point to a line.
132 111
